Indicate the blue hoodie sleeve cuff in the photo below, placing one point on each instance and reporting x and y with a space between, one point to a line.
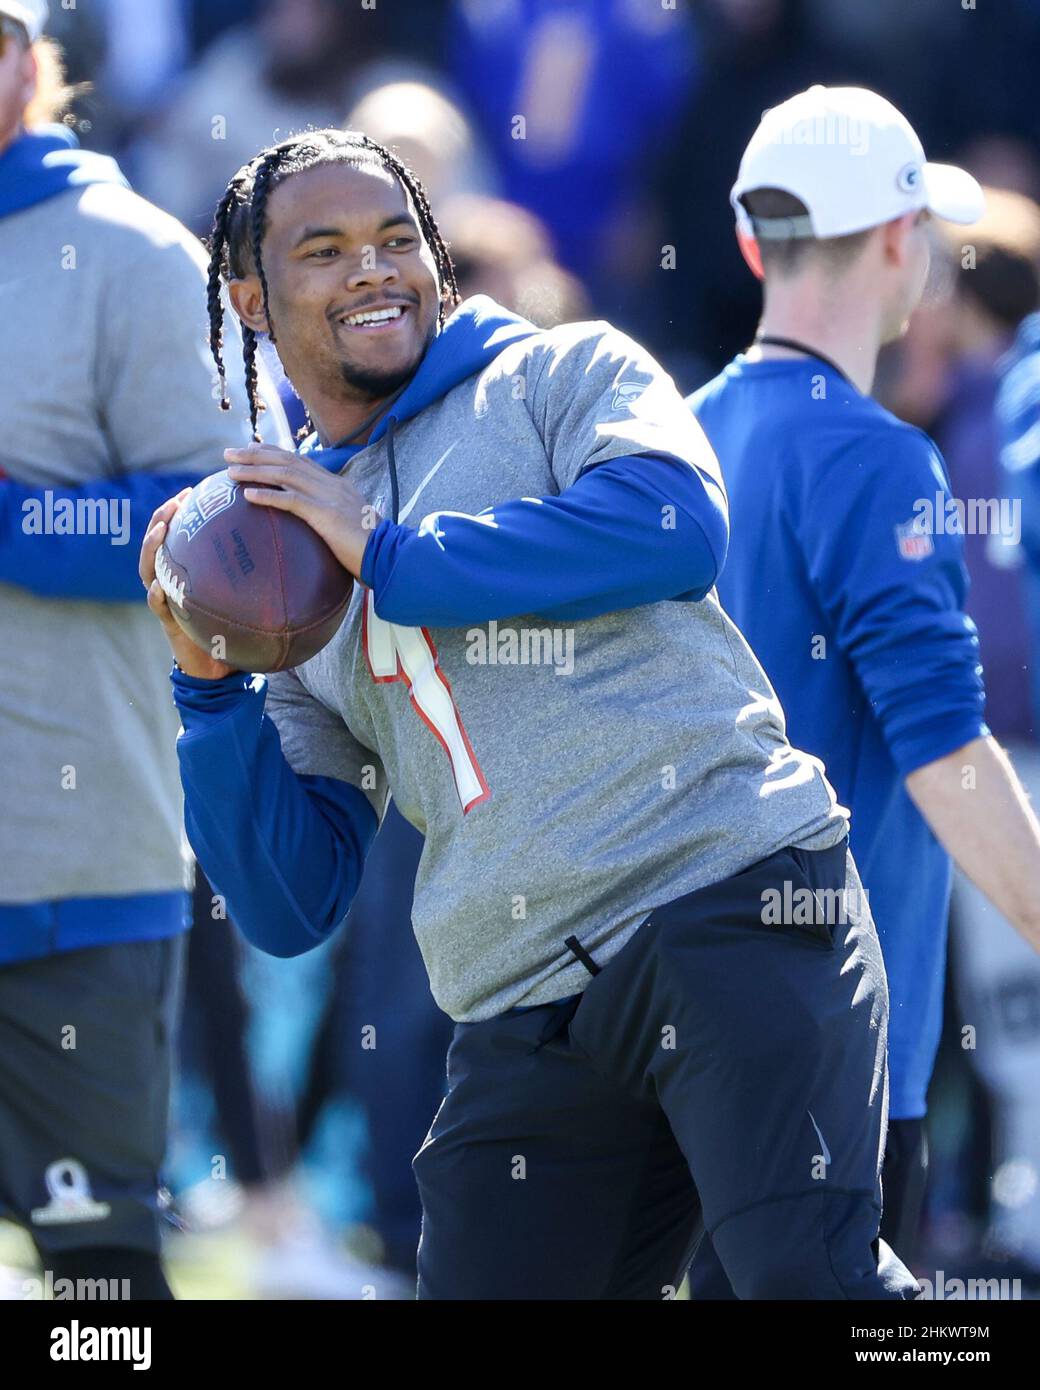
370 561
201 702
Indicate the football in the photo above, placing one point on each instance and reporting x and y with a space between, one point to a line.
252 586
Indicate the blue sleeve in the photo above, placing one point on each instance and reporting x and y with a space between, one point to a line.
81 542
894 592
285 851
1018 433
630 531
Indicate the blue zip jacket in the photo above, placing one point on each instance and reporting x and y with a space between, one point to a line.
856 614
287 851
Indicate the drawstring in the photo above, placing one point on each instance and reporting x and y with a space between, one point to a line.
395 496
578 950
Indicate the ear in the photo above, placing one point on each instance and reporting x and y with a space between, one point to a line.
30 77
895 238
752 255
247 299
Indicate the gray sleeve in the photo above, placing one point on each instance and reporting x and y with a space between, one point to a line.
317 743
156 381
597 395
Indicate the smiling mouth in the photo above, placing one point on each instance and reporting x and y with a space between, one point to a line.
372 320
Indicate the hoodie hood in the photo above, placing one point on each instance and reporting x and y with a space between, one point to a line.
47 161
476 333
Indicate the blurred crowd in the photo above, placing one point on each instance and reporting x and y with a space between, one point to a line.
579 155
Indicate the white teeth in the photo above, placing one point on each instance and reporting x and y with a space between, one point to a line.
374 316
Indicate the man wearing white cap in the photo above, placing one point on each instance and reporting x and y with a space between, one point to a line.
845 568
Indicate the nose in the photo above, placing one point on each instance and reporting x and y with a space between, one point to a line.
374 269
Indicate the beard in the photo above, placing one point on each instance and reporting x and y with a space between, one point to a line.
373 384
376 384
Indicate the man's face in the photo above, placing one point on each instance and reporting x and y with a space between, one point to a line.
17 83
343 241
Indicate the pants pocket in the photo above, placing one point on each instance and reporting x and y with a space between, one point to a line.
808 901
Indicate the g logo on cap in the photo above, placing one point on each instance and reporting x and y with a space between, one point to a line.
909 178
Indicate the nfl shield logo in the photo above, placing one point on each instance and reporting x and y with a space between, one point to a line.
913 540
214 496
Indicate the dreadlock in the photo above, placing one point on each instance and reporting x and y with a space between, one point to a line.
240 223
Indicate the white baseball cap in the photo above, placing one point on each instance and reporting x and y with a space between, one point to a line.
853 160
32 14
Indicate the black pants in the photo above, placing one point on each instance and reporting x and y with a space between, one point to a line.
903 1178
720 1073
86 1044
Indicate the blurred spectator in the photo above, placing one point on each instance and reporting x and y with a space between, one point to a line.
303 62
208 19
984 78
146 46
884 40
429 133
108 412
503 251
574 98
756 53
992 283
1002 161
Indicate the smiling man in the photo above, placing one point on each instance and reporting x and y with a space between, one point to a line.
638 1052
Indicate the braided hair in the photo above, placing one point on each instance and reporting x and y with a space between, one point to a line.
240 223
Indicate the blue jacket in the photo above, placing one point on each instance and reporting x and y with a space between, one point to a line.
856 614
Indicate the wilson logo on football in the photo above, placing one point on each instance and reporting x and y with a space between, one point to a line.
207 503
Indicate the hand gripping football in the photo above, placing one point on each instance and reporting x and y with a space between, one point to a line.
251 585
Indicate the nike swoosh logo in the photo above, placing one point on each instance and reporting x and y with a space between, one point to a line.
406 509
825 1152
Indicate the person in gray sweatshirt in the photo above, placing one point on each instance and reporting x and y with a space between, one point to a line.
107 401
635 897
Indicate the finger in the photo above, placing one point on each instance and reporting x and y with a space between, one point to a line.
272 474
301 473
168 509
284 499
157 603
259 453
152 541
